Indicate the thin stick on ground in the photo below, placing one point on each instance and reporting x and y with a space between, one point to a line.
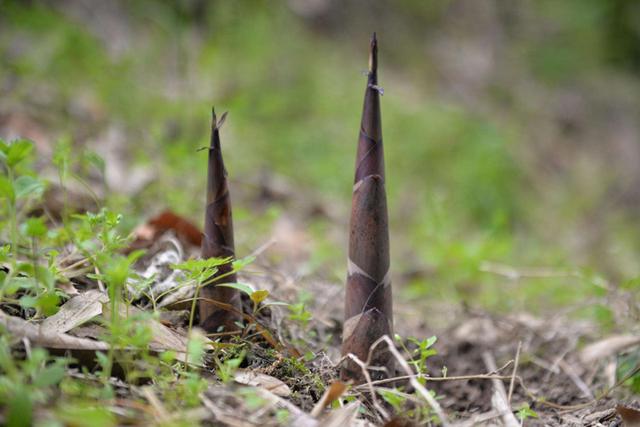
364 366
487 376
499 398
515 371
413 380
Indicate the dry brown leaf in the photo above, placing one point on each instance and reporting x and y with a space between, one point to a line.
630 416
90 304
20 328
257 379
149 232
335 390
75 312
607 347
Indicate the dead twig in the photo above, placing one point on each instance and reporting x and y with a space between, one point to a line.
499 399
515 370
365 373
435 406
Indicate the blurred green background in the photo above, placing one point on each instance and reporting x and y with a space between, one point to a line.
510 128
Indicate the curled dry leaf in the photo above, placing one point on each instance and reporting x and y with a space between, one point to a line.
147 233
267 382
184 229
335 390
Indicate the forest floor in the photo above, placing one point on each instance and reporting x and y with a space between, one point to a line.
283 369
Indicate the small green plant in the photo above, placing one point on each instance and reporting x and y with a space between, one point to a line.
525 412
403 402
201 272
227 368
256 296
19 189
300 314
419 355
23 384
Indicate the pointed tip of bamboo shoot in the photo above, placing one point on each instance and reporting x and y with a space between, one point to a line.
373 54
216 123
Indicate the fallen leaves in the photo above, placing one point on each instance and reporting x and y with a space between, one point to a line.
52 332
19 329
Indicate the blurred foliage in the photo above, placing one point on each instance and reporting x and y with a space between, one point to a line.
460 173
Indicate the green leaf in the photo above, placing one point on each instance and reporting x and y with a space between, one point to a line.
82 414
196 348
49 376
115 270
4 252
243 287
196 267
61 155
103 360
4 149
48 303
28 301
18 151
395 400
95 160
34 227
299 313
45 277
168 356
16 283
19 409
28 186
526 412
241 263
258 296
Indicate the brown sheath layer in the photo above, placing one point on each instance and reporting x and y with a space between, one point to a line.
217 242
368 301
